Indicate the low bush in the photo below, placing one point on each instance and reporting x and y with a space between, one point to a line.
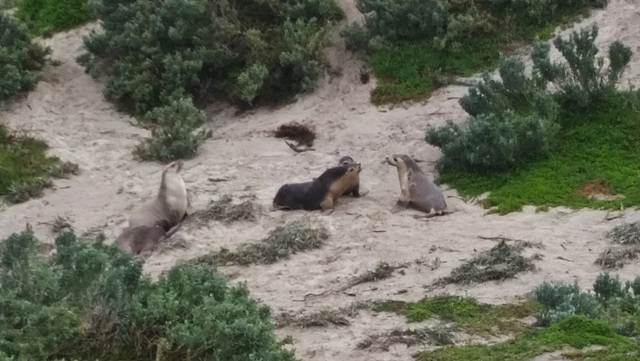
611 301
177 134
528 145
91 301
21 59
49 16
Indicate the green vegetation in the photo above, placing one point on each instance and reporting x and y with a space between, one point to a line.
573 331
467 313
25 168
91 301
577 147
293 237
573 318
610 301
49 16
417 46
162 62
20 58
597 157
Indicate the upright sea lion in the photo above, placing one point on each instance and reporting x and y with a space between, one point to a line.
416 190
321 193
169 207
347 161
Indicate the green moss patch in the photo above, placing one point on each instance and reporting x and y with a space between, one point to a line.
25 167
574 331
471 316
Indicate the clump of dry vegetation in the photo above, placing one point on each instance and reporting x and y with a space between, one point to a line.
500 262
438 335
383 270
293 237
627 239
227 212
61 223
322 318
303 134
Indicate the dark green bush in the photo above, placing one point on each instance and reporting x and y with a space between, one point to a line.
515 120
47 16
512 122
249 51
20 58
91 301
177 135
449 22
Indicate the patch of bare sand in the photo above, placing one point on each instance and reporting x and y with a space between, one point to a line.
68 110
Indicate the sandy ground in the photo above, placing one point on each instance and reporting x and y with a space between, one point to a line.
68 110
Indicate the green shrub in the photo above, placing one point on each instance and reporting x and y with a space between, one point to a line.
585 78
47 16
514 121
415 47
20 58
91 301
176 135
611 301
248 52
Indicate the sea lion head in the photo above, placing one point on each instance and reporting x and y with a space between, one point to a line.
174 167
346 161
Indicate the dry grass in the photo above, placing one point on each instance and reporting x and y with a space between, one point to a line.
616 257
293 237
626 234
500 262
300 133
61 223
627 246
382 271
436 335
225 211
322 318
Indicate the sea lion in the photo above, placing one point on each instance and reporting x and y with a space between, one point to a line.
355 190
169 207
321 193
416 190
141 240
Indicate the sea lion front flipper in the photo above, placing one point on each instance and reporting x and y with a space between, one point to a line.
327 204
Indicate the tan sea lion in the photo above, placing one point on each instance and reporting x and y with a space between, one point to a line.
416 190
169 207
355 190
321 193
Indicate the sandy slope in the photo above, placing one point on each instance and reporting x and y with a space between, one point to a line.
68 110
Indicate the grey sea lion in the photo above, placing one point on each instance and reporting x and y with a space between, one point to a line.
141 240
321 193
416 190
169 207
